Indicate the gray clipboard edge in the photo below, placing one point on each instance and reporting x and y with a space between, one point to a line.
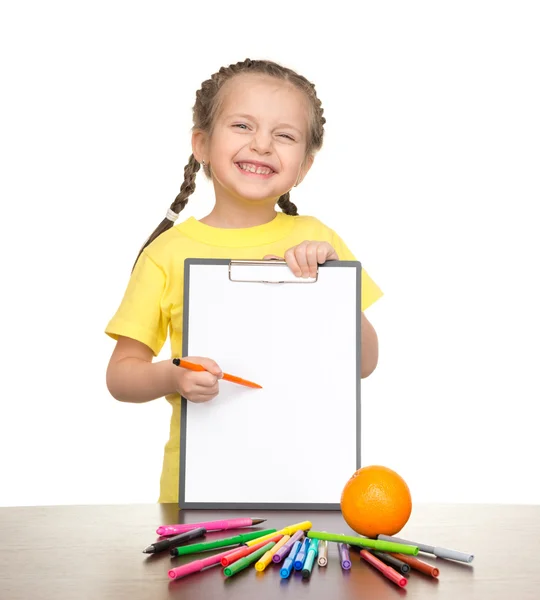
183 408
259 506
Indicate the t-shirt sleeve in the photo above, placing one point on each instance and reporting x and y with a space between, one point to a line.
370 290
140 315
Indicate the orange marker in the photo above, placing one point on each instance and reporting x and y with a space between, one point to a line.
419 565
195 367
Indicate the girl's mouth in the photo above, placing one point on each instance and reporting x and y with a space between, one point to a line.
252 170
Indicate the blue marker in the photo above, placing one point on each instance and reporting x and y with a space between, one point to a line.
289 561
301 556
310 559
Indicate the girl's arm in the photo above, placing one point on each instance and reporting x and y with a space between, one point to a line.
133 377
370 347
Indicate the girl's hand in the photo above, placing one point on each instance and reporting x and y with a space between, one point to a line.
304 258
198 386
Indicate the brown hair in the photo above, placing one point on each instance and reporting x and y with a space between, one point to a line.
207 104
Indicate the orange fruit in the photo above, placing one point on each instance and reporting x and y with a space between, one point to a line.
376 500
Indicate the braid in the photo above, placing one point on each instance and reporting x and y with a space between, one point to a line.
286 205
186 189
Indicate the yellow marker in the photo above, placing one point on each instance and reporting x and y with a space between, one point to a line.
290 529
263 538
266 559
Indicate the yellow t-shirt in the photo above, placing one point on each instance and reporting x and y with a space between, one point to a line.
152 304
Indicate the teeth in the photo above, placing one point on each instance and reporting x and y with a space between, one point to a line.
253 169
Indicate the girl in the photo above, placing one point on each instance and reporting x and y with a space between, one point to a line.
257 128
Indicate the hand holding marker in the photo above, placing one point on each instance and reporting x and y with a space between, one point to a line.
180 362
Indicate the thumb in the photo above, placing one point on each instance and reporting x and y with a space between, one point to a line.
272 257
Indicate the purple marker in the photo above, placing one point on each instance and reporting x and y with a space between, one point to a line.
344 556
286 548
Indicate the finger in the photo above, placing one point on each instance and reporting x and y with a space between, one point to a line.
331 254
290 258
313 253
210 365
322 253
199 398
300 254
204 391
205 380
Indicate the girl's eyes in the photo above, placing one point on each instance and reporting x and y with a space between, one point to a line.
244 127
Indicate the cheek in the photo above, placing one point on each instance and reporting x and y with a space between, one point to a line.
294 158
227 148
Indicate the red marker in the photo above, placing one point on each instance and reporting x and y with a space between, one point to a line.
387 571
196 565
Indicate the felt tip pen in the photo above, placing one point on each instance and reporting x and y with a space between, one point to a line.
264 538
287 567
266 559
322 558
364 542
390 559
387 571
310 559
236 540
241 564
285 549
301 556
245 550
291 529
344 556
196 565
168 543
165 530
418 565
436 550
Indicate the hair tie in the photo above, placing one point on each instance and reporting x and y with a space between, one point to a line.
171 215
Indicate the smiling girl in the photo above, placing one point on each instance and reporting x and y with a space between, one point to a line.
257 129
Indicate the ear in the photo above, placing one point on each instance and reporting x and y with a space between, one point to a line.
198 144
305 168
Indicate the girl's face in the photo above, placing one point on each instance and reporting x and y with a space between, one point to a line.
257 151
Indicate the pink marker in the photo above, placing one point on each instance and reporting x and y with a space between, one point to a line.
198 565
165 530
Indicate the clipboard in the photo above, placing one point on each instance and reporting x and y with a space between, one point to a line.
293 444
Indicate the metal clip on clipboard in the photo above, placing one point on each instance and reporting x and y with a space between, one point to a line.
257 271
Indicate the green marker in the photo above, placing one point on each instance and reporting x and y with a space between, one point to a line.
242 563
364 542
237 540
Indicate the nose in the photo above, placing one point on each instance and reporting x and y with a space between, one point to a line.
261 142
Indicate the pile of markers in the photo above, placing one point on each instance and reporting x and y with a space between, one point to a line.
295 547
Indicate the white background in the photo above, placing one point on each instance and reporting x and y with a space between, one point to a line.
430 172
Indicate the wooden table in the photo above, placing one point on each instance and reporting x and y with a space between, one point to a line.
95 552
